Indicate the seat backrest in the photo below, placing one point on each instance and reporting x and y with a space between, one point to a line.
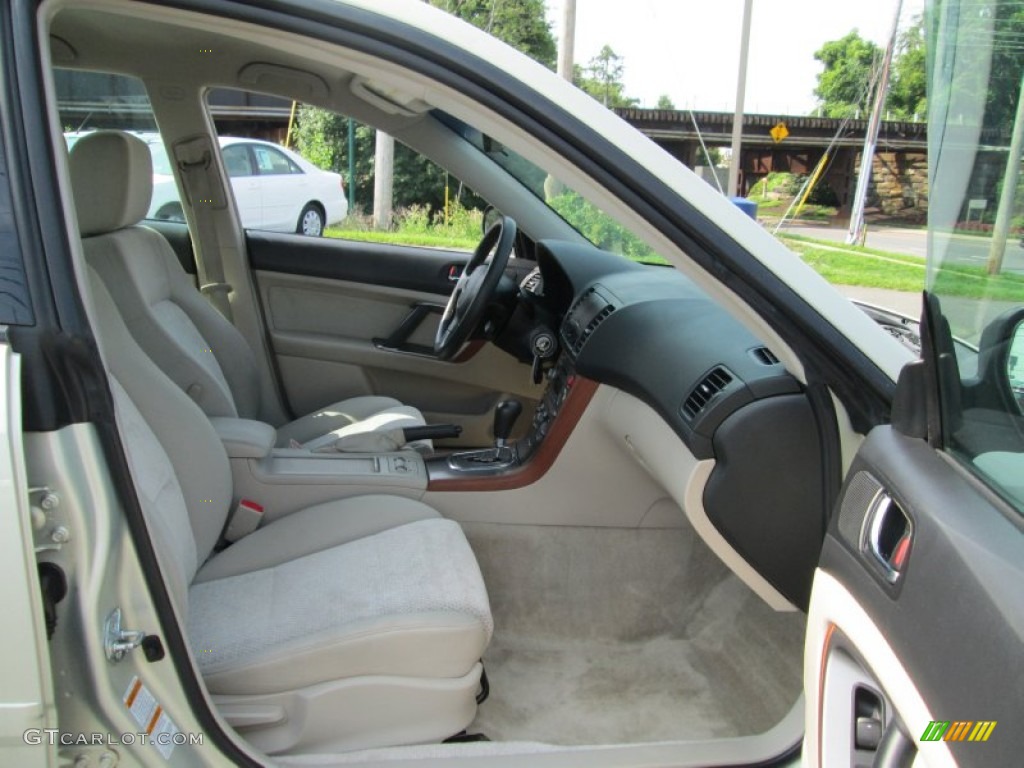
203 353
178 463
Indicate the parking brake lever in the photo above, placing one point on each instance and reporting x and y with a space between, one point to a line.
431 432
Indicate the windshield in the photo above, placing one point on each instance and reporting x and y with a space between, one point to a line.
976 231
585 217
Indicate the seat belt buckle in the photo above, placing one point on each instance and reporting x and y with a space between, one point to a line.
244 520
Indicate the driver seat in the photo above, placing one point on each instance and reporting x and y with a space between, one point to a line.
196 346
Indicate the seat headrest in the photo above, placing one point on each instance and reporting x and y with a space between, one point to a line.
112 180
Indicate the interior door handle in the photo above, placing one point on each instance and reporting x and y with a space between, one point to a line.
887 537
398 341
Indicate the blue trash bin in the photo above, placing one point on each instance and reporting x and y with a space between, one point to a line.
749 207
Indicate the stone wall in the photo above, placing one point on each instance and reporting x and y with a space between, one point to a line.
899 184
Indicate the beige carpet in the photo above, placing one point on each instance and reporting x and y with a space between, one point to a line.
609 636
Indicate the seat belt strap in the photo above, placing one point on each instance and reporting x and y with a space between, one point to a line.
194 158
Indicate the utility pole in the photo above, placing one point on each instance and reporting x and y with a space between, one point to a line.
568 42
351 166
867 155
383 180
566 52
741 91
1005 211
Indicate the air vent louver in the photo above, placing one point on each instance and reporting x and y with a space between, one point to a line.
712 384
764 356
577 336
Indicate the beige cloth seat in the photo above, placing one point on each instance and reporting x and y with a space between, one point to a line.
351 624
203 353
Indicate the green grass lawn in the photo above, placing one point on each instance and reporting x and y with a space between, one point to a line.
862 269
426 239
869 267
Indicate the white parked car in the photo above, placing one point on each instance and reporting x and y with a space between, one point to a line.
275 188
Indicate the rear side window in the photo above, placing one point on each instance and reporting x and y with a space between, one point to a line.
91 101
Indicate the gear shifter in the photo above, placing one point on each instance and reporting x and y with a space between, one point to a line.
505 415
503 454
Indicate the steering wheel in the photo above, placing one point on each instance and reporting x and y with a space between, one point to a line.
475 288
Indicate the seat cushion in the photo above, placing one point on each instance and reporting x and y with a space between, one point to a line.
313 529
406 600
356 414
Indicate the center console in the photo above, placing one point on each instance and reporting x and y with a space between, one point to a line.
283 480
507 458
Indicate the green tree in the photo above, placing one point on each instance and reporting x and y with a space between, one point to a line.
908 93
522 24
322 136
664 102
1007 66
602 79
844 85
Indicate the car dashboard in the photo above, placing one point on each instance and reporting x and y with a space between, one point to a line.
650 332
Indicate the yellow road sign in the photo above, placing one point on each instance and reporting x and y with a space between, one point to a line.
779 132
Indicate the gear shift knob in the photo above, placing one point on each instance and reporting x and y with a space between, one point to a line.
505 416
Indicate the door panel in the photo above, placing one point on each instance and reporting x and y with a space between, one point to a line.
394 266
331 305
941 632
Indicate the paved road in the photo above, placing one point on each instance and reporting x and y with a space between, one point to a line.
966 249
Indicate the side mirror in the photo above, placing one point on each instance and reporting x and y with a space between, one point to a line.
1015 365
1001 360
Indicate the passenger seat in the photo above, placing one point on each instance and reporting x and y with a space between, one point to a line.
203 353
347 625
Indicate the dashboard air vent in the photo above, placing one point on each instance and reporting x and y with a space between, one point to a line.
764 356
717 380
584 317
599 318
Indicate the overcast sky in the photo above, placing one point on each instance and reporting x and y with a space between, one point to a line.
690 49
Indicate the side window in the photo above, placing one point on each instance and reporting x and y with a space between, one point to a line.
270 162
308 174
236 160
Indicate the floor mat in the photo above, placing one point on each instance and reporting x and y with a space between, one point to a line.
625 636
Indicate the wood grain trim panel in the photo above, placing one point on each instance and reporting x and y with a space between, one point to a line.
565 422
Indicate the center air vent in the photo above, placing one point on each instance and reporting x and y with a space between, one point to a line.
706 391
